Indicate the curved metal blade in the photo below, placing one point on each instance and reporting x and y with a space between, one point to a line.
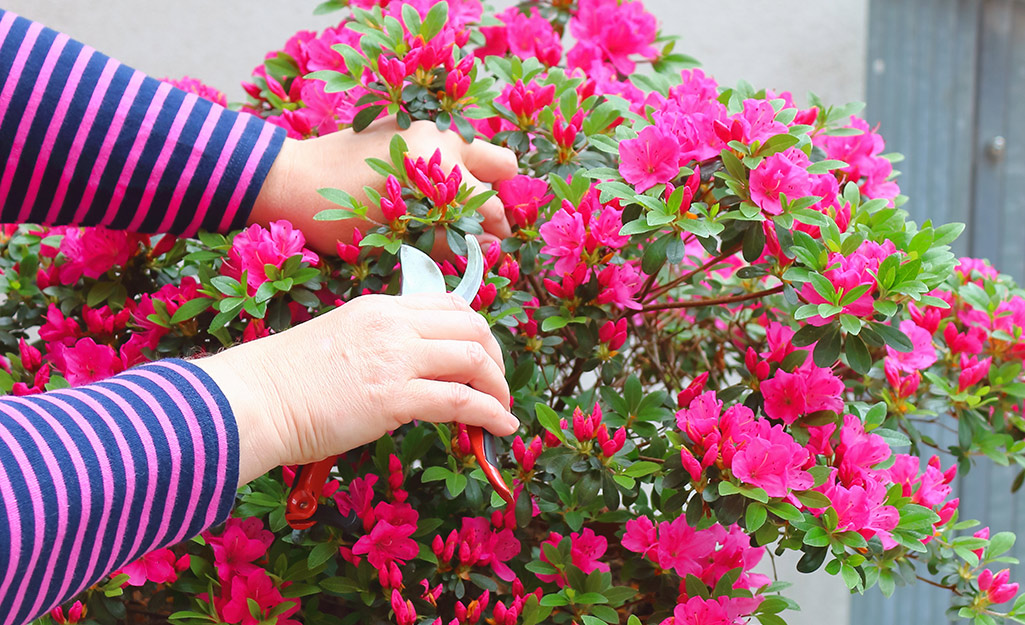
420 274
469 285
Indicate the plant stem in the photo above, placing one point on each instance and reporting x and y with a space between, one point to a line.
711 301
690 274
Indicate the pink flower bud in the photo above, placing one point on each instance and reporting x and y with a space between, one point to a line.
695 388
31 358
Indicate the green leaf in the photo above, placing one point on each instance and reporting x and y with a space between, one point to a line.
321 554
642 468
435 20
367 115
435 474
190 309
549 420
894 337
858 356
755 516
812 499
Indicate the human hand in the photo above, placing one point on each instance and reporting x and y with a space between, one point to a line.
338 161
346 378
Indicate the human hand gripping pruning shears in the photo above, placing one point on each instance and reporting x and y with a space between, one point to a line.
420 274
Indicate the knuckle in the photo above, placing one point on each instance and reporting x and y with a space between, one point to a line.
460 396
476 356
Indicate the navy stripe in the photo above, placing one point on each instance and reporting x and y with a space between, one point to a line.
133 122
94 142
276 141
31 152
150 153
204 170
239 157
65 141
176 165
10 120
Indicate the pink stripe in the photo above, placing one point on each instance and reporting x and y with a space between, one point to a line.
106 475
247 175
28 117
11 81
84 55
135 153
84 127
198 446
227 150
212 116
30 472
13 516
127 98
149 476
10 85
170 143
160 538
81 472
222 436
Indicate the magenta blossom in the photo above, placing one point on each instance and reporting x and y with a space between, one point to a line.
160 567
618 29
256 247
783 173
652 158
387 543
772 461
923 354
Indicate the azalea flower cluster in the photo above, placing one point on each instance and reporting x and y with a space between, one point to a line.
722 336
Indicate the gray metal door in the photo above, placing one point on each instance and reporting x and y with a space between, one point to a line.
946 84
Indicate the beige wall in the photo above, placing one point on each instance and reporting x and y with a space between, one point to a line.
781 44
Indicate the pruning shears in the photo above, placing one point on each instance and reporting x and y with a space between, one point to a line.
420 274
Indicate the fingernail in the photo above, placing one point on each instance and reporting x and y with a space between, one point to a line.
514 423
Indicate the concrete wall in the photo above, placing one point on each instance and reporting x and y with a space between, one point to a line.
782 44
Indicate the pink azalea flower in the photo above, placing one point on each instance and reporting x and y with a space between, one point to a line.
255 247
921 357
758 122
531 36
772 461
995 588
652 158
256 588
858 452
717 611
861 508
243 542
198 87
641 537
160 567
619 29
783 173
681 548
785 396
865 165
563 235
824 390
87 361
973 371
522 197
387 543
619 284
586 550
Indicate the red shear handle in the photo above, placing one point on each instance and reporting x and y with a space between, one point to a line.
483 449
305 494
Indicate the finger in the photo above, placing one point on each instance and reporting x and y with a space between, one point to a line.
444 402
459 326
495 222
432 301
467 362
489 162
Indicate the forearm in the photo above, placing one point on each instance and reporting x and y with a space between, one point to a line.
85 140
91 478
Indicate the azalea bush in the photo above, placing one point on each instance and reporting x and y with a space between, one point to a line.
725 341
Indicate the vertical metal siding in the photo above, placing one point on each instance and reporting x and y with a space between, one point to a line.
945 78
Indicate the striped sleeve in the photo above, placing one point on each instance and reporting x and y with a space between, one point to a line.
85 140
92 478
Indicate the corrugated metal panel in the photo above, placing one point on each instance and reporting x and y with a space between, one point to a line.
946 82
921 91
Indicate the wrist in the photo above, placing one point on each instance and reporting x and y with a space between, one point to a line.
239 376
270 203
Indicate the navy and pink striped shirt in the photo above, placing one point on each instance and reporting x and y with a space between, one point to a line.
91 478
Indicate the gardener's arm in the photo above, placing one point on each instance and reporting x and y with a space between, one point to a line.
93 477
85 140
